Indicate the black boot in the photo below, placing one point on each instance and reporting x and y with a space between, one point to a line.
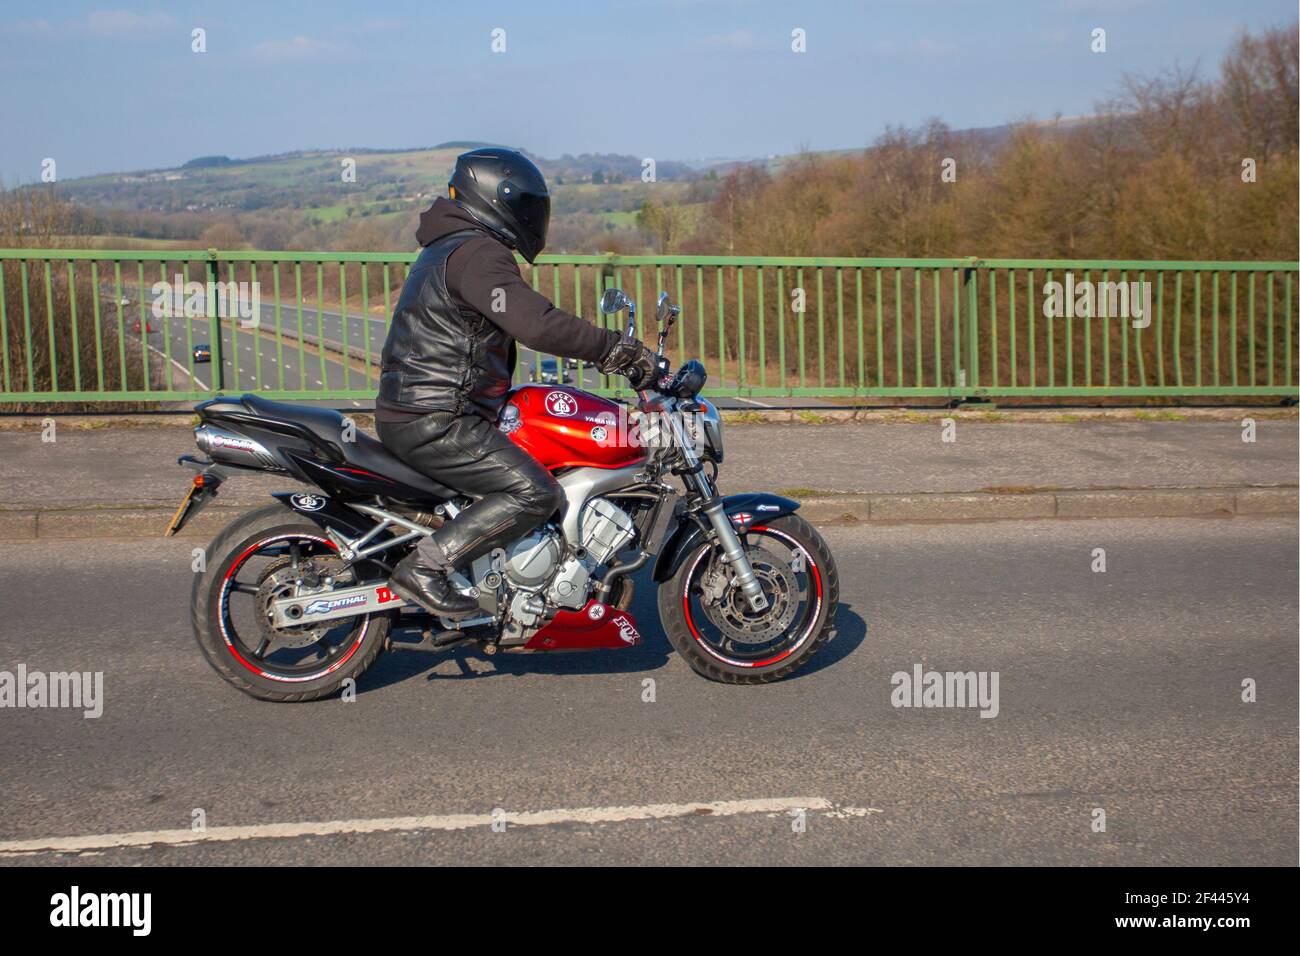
419 583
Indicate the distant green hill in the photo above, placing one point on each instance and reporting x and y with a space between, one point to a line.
338 198
314 180
361 198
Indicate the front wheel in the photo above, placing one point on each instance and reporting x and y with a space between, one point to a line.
710 623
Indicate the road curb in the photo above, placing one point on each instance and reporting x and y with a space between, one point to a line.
145 521
1062 503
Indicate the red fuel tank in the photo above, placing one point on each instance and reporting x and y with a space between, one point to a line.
567 427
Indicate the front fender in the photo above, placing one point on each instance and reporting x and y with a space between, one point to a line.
690 530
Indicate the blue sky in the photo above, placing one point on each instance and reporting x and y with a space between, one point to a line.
104 87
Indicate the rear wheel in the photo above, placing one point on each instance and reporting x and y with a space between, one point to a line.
709 621
268 554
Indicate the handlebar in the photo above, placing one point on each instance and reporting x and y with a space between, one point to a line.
689 379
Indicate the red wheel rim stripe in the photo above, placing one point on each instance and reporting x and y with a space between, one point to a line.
221 619
817 577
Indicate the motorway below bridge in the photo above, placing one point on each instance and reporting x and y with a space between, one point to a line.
257 360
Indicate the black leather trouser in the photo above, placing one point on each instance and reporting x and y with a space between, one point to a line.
466 452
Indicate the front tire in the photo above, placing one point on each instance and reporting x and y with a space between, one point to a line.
721 639
277 664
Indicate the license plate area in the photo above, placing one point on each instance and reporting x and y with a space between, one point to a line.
192 499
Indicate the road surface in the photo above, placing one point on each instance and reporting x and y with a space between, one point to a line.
1119 691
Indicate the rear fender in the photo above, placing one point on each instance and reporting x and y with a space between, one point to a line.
744 510
325 511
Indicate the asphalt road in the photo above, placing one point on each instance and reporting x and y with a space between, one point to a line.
1118 691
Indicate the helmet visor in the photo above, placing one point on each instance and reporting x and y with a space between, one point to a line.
531 209
535 213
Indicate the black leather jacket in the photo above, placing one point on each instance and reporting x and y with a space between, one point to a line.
441 355
451 344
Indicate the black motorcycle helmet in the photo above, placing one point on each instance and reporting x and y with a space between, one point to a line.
503 190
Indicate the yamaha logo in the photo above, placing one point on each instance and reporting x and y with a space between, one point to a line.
596 612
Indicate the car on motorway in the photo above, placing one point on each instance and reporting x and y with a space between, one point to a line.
202 352
145 327
550 373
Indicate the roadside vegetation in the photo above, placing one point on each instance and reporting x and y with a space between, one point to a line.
70 345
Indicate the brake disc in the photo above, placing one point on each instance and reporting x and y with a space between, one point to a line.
732 615
279 580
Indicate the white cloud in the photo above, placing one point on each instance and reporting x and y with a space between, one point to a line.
736 40
296 48
923 47
127 21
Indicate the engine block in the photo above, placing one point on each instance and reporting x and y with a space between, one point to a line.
606 529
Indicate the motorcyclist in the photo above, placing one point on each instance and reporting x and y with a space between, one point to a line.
448 360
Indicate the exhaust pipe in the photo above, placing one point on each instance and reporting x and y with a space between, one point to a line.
223 445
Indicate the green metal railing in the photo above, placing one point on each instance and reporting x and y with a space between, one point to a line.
95 326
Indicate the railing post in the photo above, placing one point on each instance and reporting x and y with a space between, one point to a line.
967 370
970 369
214 322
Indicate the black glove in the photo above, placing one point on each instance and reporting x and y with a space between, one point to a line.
631 358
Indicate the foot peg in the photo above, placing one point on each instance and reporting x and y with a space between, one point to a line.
429 588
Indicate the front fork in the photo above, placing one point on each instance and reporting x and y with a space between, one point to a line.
732 550
734 554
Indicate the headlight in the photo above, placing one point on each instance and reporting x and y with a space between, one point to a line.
712 423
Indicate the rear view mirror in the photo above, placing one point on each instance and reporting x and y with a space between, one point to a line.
613 301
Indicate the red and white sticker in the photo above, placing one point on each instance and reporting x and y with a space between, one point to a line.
627 631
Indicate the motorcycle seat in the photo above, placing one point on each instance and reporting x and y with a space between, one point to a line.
363 451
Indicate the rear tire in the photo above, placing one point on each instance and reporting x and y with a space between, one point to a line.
678 621
212 624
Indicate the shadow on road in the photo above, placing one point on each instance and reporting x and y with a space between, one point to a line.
851 630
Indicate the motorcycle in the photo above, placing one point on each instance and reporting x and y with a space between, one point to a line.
293 599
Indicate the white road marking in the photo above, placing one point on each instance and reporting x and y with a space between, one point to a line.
189 374
162 354
447 821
